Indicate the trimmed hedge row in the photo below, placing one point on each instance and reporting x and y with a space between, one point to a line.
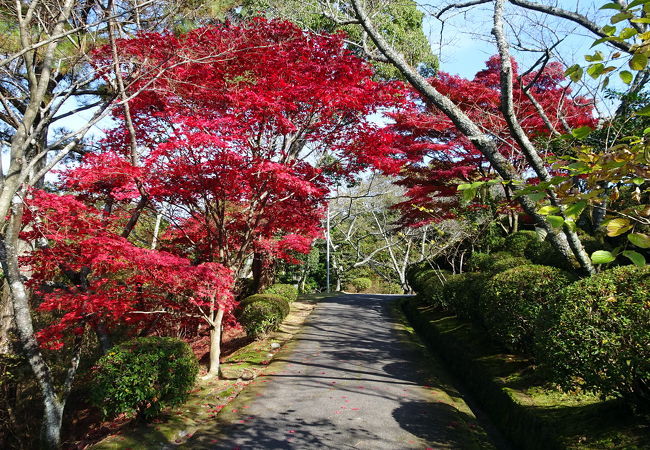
596 335
593 334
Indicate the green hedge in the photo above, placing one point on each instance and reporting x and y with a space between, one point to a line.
143 375
479 262
260 314
430 287
596 335
361 284
463 293
520 425
509 262
513 300
288 291
278 301
516 243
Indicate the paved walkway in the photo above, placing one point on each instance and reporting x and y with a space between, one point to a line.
350 381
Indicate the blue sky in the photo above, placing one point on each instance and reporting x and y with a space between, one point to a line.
464 48
466 42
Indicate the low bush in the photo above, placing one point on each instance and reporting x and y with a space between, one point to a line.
516 243
288 291
415 269
463 292
142 376
420 277
509 262
276 300
361 284
389 288
596 335
513 299
430 287
479 262
260 317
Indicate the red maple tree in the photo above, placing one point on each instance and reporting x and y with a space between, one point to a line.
232 125
448 158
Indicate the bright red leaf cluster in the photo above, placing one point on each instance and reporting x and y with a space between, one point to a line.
240 131
449 158
96 277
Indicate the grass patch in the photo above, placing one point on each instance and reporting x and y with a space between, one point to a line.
529 412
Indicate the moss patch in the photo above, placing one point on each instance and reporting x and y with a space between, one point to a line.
532 414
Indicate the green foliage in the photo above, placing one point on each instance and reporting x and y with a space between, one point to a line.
399 21
596 334
479 262
278 302
491 238
261 316
516 243
415 270
143 375
288 291
501 264
463 292
361 284
388 288
431 285
513 300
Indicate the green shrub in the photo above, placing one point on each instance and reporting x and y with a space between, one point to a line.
277 301
431 288
491 238
143 375
463 292
389 288
419 278
513 299
596 334
502 264
414 269
361 284
479 262
517 242
288 291
260 317
542 252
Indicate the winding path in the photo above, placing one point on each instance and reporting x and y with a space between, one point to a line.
350 380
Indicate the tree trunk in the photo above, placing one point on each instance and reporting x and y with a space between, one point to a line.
6 320
215 344
53 409
261 273
483 142
52 421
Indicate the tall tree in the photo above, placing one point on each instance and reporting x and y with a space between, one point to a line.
225 144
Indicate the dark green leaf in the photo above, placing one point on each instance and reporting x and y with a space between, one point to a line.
637 258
